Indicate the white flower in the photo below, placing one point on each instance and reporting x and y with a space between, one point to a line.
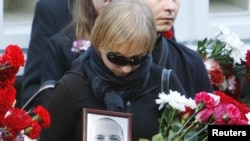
175 100
164 98
236 48
191 103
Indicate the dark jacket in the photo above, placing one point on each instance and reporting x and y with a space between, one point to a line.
187 65
49 18
68 100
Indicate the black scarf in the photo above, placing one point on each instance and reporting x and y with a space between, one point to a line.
109 88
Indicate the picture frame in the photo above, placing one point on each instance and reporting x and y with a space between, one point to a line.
91 116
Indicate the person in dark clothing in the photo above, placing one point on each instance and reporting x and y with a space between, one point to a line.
86 11
120 75
49 18
185 62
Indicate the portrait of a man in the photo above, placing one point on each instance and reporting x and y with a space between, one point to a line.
106 129
102 125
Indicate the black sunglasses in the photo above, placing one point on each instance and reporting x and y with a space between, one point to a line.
122 61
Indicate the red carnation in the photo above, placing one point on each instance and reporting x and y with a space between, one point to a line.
14 56
214 70
17 119
43 116
7 98
224 98
34 130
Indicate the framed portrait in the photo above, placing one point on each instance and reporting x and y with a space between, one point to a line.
102 124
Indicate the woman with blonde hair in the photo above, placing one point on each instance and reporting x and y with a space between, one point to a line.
116 73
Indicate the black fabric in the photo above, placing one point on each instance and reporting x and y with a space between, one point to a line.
187 65
46 22
17 85
164 54
59 56
68 100
57 60
112 89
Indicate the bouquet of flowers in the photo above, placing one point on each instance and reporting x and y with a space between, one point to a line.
227 61
17 124
185 119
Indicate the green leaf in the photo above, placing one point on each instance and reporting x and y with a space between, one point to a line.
190 134
175 126
157 137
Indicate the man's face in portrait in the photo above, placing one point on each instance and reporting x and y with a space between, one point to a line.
106 130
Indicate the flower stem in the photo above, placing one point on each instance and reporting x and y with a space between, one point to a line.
184 125
197 133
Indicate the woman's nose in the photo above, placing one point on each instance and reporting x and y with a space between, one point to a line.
127 68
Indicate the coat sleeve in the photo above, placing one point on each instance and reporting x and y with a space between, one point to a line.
63 114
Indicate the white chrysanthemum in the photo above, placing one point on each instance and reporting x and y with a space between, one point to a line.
163 99
238 56
191 103
236 46
175 100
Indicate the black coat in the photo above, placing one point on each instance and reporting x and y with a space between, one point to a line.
49 18
67 101
187 65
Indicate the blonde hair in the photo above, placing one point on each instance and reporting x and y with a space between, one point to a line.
84 15
124 24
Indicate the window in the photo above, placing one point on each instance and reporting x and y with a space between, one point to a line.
228 6
16 22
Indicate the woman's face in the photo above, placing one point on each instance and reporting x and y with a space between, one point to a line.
99 4
120 56
165 12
